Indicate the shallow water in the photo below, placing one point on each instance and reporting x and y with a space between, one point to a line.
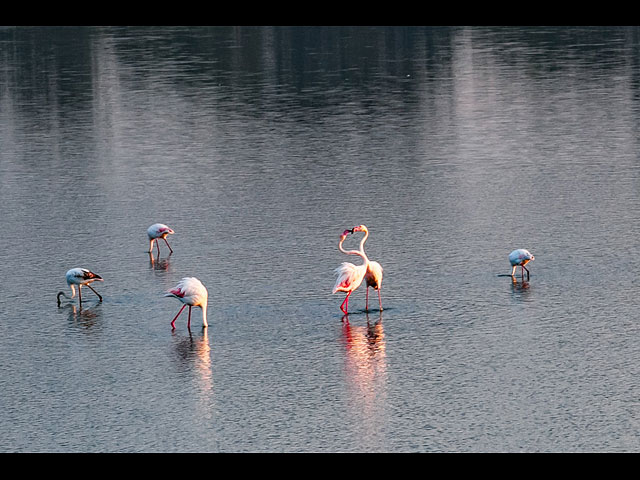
259 146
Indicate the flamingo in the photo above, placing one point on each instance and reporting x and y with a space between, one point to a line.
191 292
351 276
520 257
157 231
80 277
373 275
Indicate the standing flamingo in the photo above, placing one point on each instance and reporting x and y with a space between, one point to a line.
520 257
157 231
373 276
190 291
80 277
349 274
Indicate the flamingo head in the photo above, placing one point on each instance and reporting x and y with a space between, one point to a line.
345 233
359 228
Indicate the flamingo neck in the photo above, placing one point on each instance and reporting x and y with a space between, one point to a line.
364 239
73 291
204 314
355 252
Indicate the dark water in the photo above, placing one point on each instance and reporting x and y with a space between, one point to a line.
259 146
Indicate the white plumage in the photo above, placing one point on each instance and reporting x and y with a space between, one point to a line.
159 231
80 277
192 293
350 276
520 257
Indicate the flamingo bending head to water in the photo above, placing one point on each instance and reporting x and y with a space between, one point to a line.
520 257
80 277
159 231
192 293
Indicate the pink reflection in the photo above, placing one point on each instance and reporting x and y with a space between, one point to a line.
366 375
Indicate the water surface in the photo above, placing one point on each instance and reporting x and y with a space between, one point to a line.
259 146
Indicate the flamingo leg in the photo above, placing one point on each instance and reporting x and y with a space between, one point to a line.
165 241
345 304
366 305
79 294
92 289
380 299
189 321
173 322
158 245
527 271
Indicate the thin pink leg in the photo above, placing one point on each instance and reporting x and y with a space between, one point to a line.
158 245
173 322
165 241
189 321
345 304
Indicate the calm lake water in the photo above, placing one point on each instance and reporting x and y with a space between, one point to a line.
259 146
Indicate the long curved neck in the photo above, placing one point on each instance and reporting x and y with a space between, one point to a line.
204 314
364 239
73 292
355 252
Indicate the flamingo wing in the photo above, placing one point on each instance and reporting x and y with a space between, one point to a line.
189 290
520 255
81 275
349 277
374 275
158 229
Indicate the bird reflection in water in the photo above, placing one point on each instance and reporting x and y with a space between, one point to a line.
83 317
161 264
195 351
520 289
366 377
364 344
519 285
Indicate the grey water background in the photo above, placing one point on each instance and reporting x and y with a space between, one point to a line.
259 146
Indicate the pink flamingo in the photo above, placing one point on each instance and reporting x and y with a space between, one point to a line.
373 275
350 276
157 231
80 277
520 257
192 293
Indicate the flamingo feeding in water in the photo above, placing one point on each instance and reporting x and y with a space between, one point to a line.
351 276
192 293
80 277
156 232
520 257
